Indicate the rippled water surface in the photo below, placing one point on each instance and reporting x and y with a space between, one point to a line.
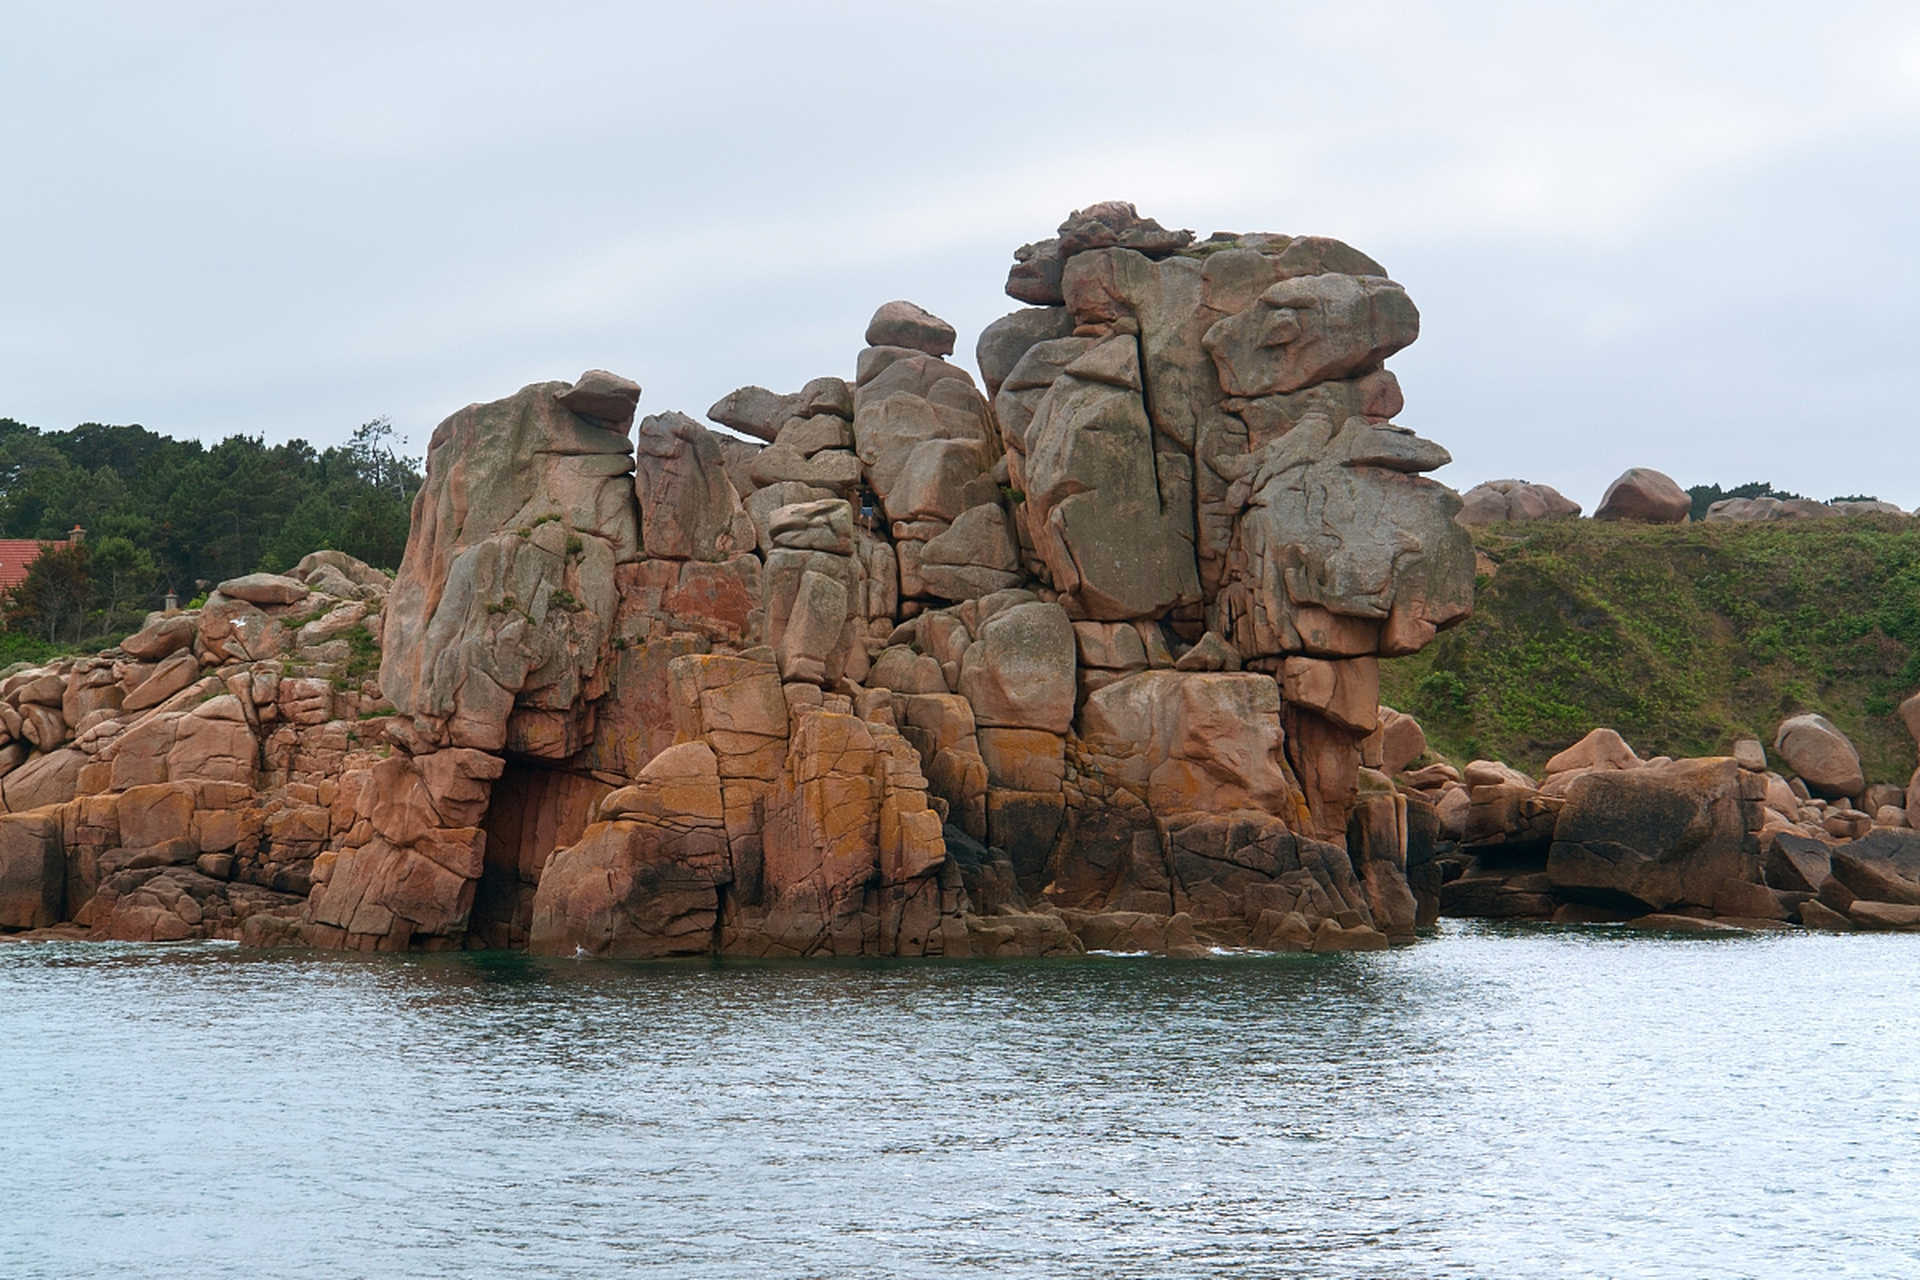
1489 1103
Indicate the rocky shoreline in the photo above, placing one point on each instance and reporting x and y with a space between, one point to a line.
1081 657
1704 843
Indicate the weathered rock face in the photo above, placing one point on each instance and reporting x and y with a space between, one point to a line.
504 597
1312 329
33 871
413 876
1200 741
689 509
1348 552
1094 508
908 672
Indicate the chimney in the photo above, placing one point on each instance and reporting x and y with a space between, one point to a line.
77 537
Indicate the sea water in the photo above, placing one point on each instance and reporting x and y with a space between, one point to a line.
1494 1102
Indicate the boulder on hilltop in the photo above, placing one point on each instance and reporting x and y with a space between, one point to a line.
1644 496
1499 501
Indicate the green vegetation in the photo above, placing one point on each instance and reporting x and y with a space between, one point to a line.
1681 637
363 653
25 646
162 513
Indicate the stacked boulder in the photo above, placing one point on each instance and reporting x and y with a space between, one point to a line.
1082 657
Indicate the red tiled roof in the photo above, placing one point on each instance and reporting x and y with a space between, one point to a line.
17 556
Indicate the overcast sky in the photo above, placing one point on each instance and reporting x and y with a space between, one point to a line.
1668 235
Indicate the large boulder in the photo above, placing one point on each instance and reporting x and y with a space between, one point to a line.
1501 501
605 396
264 589
902 324
1600 749
1883 866
1644 496
234 630
1764 509
1910 716
46 779
385 897
159 638
1658 837
214 743
1005 342
1351 551
1823 756
754 411
1312 329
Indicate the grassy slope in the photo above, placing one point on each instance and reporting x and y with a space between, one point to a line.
1680 637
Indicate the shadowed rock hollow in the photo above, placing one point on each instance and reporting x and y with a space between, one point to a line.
1083 654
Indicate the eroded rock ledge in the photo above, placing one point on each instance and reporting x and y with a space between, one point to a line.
1083 654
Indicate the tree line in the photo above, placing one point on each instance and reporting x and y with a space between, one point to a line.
162 514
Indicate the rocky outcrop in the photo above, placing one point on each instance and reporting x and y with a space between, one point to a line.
645 879
1210 448
1705 843
1088 658
189 784
1766 509
1501 501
